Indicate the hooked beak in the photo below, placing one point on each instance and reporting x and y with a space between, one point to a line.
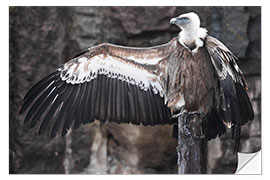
174 21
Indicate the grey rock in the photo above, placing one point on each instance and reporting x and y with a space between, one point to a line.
251 145
254 35
232 28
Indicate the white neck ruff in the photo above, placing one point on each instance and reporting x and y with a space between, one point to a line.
190 36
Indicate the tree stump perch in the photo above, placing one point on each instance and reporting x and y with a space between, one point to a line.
192 146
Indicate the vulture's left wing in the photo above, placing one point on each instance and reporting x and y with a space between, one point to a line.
232 104
106 82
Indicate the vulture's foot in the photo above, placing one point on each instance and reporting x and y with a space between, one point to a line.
199 114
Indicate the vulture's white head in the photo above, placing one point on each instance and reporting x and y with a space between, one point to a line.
192 35
188 21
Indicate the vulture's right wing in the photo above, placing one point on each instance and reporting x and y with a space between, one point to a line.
234 97
106 82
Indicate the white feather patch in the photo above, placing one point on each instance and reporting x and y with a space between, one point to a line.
86 70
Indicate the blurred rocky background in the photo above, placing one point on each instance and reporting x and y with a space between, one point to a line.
43 38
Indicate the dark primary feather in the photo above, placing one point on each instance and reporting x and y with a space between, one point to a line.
131 103
93 100
71 108
99 95
78 117
159 105
118 101
125 108
76 107
142 106
86 114
155 115
110 99
149 107
104 100
114 102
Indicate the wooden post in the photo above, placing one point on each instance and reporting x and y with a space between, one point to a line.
192 147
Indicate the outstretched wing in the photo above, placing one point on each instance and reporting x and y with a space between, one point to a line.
233 104
105 82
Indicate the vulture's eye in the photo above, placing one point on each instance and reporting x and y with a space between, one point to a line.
185 19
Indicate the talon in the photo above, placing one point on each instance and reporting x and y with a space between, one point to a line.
200 114
176 115
181 113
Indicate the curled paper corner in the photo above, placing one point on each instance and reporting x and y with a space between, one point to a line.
249 163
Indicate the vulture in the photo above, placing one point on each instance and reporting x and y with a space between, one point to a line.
193 72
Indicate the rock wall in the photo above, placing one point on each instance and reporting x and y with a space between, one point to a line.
42 38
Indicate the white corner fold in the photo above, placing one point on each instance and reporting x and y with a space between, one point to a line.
249 163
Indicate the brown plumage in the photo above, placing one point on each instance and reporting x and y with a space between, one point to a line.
193 71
